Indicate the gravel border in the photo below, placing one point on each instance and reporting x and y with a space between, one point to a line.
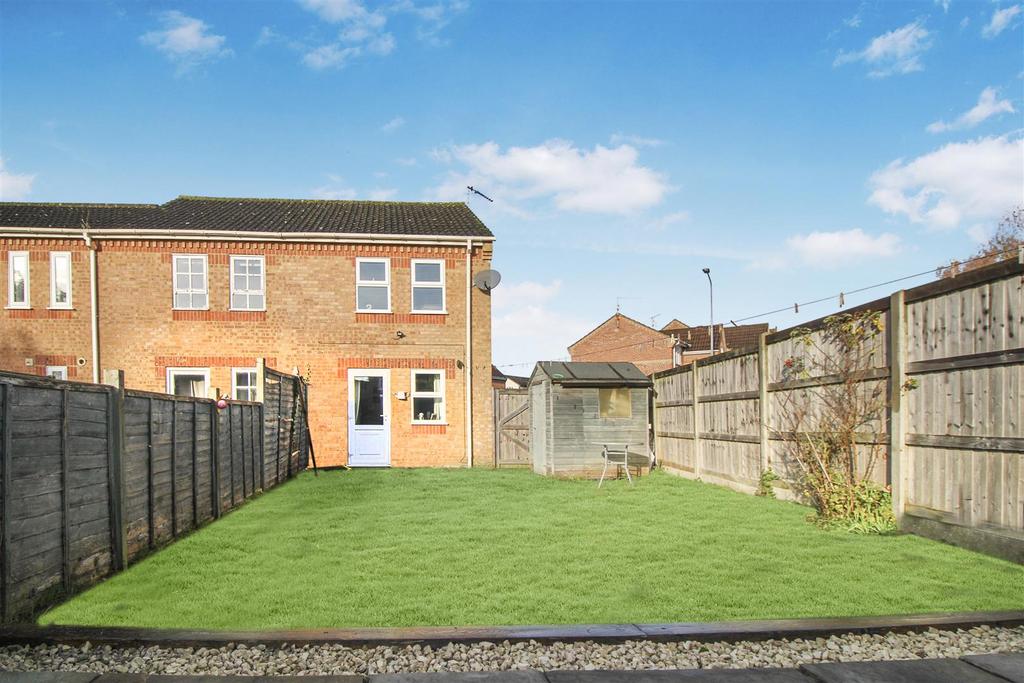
505 656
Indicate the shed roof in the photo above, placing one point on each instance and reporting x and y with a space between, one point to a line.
577 374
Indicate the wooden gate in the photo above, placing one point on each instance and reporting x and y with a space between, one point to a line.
512 427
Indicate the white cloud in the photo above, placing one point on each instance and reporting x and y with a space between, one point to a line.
185 41
981 232
433 18
1001 20
827 249
14 186
382 194
669 220
393 125
330 57
944 4
336 188
343 11
602 180
381 45
972 181
526 328
896 52
988 105
406 161
635 140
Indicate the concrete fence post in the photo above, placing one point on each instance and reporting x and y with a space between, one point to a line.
898 465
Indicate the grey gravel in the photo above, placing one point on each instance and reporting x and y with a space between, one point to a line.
506 656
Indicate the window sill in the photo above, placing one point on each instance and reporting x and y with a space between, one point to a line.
424 423
18 308
175 308
244 310
429 312
374 312
61 308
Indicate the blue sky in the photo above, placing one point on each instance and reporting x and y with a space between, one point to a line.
797 149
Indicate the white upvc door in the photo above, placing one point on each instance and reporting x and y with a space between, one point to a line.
369 418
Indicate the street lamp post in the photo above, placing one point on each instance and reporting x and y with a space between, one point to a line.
711 294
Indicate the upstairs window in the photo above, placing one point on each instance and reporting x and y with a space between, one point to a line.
427 396
373 285
248 284
243 381
427 286
190 290
60 279
17 279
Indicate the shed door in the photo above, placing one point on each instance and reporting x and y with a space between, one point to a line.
369 418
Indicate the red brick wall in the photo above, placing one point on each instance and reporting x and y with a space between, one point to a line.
620 339
310 325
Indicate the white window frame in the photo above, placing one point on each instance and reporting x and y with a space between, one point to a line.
386 284
174 282
11 303
248 292
172 372
434 285
54 257
413 395
234 382
62 370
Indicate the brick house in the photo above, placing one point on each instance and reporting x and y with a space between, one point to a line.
371 301
623 339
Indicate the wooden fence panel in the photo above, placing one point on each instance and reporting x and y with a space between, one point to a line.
84 466
960 436
512 428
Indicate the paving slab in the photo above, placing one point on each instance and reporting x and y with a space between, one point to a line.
684 675
46 677
462 677
231 678
1009 666
908 671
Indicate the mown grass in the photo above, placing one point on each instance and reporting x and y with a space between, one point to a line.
457 547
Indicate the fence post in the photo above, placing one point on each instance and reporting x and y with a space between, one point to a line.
115 467
174 468
763 406
696 421
214 461
898 467
195 462
5 499
65 521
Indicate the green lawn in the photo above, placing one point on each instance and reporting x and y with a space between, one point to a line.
457 547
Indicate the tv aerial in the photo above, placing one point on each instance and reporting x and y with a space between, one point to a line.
476 191
486 280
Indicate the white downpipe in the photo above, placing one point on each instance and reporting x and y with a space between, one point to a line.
93 308
469 353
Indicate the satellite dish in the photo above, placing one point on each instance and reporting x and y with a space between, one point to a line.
486 280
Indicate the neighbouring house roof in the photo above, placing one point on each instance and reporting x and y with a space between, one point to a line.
577 374
497 375
616 316
449 219
673 325
726 338
519 379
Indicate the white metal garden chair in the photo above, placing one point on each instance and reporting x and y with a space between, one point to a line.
619 455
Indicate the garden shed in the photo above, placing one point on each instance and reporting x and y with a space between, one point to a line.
576 408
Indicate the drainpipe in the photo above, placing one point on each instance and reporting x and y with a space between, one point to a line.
93 306
469 353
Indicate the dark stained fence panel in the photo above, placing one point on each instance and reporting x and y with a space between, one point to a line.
86 469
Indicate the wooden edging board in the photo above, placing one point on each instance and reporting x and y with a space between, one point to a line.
729 631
